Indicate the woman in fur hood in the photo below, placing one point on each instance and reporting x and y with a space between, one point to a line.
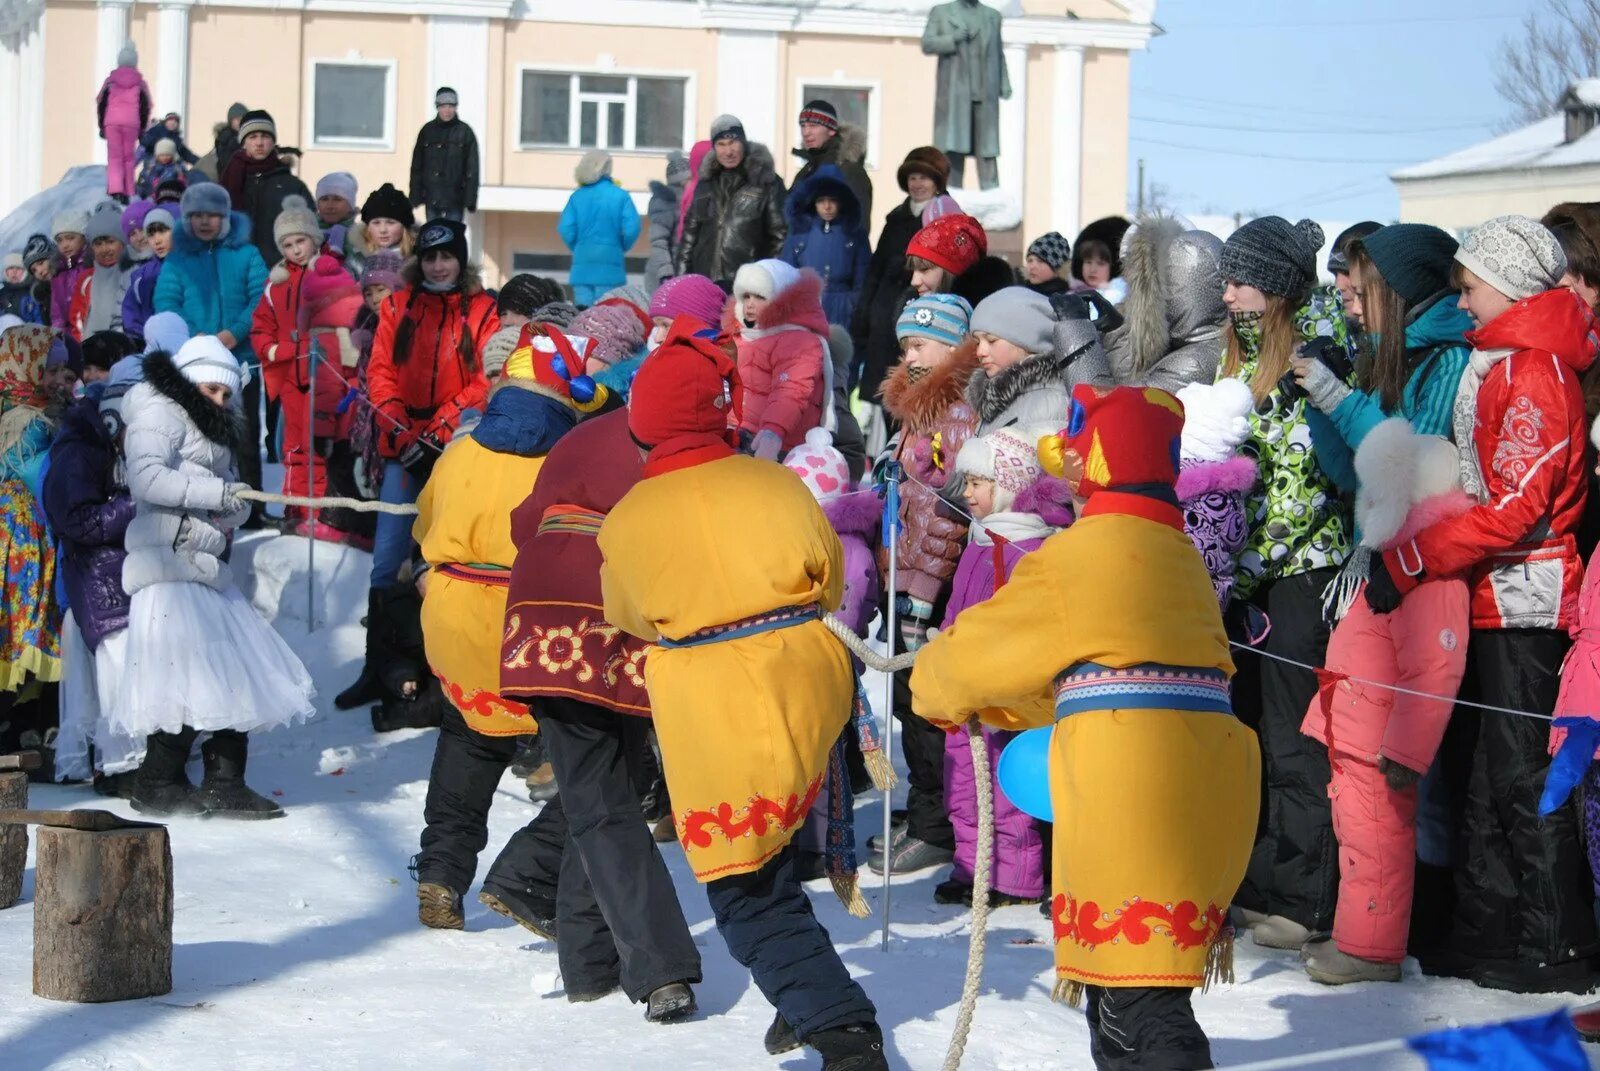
1174 313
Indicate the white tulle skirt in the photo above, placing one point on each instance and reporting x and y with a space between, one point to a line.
205 658
91 682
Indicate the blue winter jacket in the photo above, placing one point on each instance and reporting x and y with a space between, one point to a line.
1437 337
214 285
839 251
139 303
599 225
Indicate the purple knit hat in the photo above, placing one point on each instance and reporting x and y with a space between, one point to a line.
133 216
383 269
691 295
616 332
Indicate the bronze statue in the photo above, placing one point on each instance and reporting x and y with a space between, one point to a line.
965 35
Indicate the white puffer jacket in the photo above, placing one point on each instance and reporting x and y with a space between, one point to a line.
180 459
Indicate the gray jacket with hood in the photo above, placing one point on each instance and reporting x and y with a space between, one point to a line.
1174 313
1037 389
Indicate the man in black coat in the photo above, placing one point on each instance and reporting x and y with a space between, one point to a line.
737 212
825 140
444 165
258 180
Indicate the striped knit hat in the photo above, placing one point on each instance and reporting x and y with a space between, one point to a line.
941 317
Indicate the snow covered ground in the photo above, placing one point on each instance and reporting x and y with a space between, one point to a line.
297 945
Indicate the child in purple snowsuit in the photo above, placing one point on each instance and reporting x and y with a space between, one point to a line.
855 514
1213 477
124 107
1018 507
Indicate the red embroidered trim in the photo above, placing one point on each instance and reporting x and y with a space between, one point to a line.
486 705
1088 926
756 820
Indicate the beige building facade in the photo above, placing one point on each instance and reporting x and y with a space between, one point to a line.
350 81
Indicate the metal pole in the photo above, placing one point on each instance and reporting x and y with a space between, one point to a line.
891 528
311 513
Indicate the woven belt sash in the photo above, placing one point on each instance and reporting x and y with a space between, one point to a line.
562 517
1148 686
771 621
497 576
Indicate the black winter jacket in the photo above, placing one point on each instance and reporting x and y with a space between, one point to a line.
261 198
882 296
444 166
846 150
736 216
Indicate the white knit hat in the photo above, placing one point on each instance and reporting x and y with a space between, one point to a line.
822 467
296 217
1516 255
765 278
204 359
1009 457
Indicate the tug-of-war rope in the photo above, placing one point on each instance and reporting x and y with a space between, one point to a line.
896 663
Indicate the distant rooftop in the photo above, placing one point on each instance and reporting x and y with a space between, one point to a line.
1569 138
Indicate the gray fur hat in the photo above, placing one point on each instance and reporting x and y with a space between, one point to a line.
1274 256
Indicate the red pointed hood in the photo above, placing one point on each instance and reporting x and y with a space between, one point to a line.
1555 321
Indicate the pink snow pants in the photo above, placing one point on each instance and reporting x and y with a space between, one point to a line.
120 142
1421 647
1018 839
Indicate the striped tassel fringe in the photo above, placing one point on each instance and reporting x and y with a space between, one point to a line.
1219 960
1068 991
879 767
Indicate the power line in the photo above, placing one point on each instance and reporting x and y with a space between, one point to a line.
1330 25
1275 110
1273 156
1310 130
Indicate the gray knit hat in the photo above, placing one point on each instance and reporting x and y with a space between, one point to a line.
69 221
445 95
677 167
39 247
1052 248
559 313
727 126
1019 315
1516 255
1274 256
104 222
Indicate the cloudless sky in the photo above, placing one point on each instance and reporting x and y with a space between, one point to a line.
1302 108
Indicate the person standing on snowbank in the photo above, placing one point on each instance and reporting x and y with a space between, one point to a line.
745 721
187 621
123 105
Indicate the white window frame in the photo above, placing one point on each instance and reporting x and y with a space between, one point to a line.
383 144
874 92
574 124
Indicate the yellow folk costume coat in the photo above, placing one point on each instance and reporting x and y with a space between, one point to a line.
1155 810
464 528
745 725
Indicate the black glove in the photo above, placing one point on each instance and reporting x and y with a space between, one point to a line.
418 458
1324 351
1382 595
1399 777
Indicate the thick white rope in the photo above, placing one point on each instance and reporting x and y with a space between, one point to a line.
360 505
980 895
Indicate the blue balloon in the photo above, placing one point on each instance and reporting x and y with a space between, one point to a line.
1024 773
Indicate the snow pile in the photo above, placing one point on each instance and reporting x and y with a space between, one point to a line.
998 210
81 187
297 944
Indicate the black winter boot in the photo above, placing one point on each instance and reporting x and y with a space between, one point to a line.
424 710
671 1003
533 913
851 1048
367 688
160 786
780 1037
223 791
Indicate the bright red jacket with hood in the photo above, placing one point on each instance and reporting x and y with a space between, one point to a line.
1525 452
781 362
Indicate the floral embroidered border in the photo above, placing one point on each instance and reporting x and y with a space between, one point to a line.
695 827
1136 921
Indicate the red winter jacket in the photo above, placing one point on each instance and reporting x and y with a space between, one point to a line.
427 392
781 366
1517 547
272 328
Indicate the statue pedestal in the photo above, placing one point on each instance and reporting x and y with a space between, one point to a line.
997 210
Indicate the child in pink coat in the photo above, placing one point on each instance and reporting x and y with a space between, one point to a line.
1382 741
1580 691
777 321
1018 507
124 108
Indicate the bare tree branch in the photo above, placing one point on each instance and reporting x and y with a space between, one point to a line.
1558 44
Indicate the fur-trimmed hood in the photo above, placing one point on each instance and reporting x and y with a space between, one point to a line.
919 403
1236 475
223 426
1049 498
848 146
1174 288
1408 482
990 397
800 305
759 166
854 513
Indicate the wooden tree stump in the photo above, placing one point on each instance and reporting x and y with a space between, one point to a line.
102 914
13 837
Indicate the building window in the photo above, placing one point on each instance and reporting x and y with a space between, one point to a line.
604 111
351 104
854 104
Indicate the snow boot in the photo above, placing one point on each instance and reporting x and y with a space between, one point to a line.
367 688
911 855
541 784
1531 976
1276 931
671 1003
529 755
1243 918
1327 964
116 786
851 1048
160 787
532 913
897 824
954 892
439 908
781 1037
223 792
424 710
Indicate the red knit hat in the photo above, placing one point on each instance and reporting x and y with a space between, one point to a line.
687 387
329 297
1121 437
954 243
